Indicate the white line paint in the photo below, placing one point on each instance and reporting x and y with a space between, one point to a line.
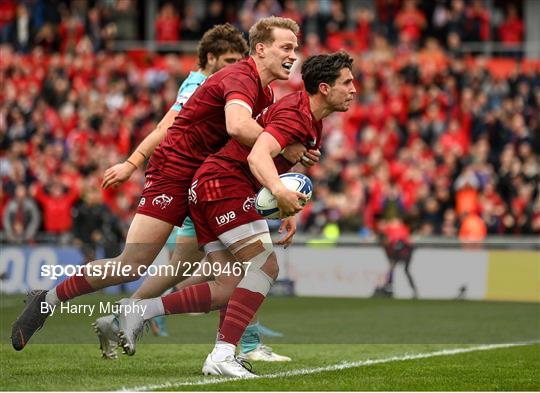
334 367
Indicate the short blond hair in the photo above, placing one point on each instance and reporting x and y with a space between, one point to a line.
261 32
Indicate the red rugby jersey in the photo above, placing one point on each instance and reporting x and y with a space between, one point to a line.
289 121
199 128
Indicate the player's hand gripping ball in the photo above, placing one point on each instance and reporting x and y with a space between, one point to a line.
266 203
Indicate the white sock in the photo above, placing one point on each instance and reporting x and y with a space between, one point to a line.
222 351
52 298
154 307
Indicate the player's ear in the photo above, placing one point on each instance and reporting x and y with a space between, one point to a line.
259 49
324 88
211 59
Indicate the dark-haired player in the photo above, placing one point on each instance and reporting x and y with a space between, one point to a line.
225 186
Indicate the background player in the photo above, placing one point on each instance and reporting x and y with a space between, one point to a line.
223 187
396 240
221 108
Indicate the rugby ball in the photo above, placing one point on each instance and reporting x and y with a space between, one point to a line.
266 203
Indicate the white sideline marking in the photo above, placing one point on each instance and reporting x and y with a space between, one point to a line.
333 367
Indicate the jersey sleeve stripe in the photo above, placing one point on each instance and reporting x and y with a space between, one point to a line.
239 102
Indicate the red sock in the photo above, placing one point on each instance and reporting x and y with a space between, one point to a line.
242 306
195 298
72 287
222 313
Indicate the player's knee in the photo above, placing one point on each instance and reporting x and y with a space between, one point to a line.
262 270
131 277
127 269
137 254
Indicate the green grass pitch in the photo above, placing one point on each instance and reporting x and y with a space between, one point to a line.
336 344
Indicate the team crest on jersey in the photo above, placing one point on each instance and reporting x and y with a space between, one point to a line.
162 201
192 195
249 203
142 202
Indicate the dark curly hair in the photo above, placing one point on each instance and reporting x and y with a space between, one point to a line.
324 69
218 40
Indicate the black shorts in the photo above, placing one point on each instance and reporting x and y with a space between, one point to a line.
399 251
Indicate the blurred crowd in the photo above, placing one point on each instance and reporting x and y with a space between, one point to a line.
63 25
434 139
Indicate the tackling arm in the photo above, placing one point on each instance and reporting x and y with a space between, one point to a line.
240 125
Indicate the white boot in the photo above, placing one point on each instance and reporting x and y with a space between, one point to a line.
229 367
